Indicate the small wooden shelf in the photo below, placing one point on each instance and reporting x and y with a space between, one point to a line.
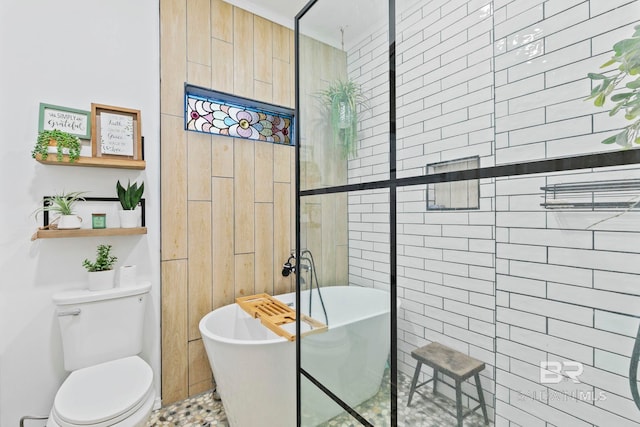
101 162
88 232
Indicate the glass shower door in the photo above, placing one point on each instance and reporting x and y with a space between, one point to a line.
480 199
344 220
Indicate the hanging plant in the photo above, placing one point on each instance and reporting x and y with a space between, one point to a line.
62 141
627 57
342 99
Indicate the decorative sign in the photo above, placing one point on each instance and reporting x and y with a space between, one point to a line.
219 113
116 134
70 120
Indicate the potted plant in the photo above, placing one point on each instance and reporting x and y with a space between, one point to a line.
101 272
342 99
625 77
59 142
129 198
62 204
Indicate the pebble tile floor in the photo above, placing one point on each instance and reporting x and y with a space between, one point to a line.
206 410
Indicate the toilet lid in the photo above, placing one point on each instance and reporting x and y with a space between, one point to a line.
98 393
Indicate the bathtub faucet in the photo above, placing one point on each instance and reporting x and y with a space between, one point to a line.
287 267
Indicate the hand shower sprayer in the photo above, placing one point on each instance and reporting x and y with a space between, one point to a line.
307 255
288 268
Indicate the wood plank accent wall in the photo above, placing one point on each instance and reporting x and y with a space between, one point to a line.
227 204
323 228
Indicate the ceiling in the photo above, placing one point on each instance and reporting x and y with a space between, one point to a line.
325 19
281 11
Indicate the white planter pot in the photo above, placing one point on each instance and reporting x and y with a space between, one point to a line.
343 112
100 280
69 222
129 219
54 150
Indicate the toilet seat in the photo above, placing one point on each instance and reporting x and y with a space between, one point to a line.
104 394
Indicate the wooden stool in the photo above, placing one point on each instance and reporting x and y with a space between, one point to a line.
458 366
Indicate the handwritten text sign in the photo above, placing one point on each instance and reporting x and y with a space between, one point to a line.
116 134
66 121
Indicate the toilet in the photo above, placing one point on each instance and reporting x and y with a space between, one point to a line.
109 384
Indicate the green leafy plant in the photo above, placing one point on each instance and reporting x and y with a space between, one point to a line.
129 197
342 99
63 203
627 60
62 140
104 260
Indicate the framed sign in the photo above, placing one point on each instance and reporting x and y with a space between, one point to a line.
70 120
116 132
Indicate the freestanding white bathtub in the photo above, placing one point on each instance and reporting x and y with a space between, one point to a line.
255 370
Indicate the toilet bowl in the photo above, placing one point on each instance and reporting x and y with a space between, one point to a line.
109 384
116 393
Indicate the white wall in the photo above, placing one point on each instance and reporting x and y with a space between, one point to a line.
563 279
69 53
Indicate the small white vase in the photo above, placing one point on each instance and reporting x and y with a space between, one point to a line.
100 280
129 218
69 222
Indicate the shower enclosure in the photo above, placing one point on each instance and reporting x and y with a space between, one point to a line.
447 156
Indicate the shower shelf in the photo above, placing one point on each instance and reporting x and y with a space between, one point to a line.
611 194
273 314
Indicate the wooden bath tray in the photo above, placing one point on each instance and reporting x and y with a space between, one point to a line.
273 313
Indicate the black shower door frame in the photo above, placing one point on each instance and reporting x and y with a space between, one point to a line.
597 160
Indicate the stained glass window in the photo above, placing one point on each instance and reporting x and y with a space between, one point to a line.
218 113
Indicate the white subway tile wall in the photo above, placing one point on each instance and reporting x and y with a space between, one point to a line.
512 283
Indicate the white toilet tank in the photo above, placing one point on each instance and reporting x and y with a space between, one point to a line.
99 326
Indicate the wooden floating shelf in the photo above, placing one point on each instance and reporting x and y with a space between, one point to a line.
101 162
273 314
88 232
